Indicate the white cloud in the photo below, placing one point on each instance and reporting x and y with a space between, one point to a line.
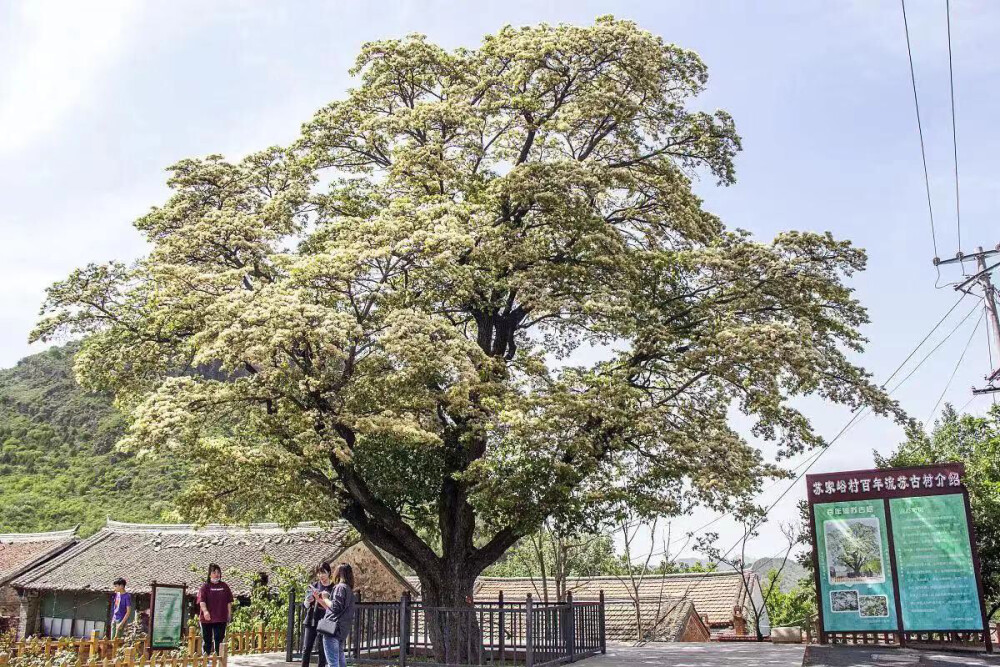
59 54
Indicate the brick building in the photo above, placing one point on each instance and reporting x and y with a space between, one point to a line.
19 552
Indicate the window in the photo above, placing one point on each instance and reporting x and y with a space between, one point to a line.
66 614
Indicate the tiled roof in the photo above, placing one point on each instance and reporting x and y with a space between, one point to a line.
180 554
662 620
714 594
20 551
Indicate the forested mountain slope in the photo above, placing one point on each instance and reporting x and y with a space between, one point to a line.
58 465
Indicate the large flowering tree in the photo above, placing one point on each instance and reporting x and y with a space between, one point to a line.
477 293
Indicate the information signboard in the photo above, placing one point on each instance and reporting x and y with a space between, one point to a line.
894 552
937 578
856 587
166 616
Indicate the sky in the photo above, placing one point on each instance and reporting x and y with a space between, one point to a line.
98 98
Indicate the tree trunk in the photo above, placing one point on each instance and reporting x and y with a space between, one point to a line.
447 578
451 621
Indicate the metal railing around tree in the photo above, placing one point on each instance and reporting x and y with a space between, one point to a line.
497 633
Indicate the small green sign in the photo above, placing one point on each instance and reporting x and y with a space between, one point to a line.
167 617
937 577
854 566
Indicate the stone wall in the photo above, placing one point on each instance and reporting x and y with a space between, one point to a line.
372 578
27 624
10 604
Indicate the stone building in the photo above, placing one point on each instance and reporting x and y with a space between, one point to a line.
71 594
19 552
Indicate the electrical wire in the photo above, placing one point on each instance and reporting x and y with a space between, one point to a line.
954 131
920 133
957 365
962 409
924 340
935 349
857 417
989 344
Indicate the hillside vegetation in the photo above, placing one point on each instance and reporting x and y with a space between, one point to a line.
58 465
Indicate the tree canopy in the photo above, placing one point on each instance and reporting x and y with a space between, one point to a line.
975 442
478 292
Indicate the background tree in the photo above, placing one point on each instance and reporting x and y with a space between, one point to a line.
795 607
551 556
479 292
757 594
975 442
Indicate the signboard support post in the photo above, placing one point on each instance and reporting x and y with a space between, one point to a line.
815 559
979 572
895 573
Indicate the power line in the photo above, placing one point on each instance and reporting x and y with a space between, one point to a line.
858 416
954 131
920 130
989 352
946 386
935 349
989 343
924 340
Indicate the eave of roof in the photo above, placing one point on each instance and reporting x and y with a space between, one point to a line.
313 540
51 536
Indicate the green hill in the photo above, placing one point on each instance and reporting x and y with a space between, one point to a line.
58 465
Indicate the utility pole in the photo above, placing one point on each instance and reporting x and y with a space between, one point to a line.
983 277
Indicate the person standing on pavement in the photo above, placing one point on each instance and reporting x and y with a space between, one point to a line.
323 585
215 605
339 607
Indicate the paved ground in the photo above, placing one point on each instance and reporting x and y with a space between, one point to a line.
739 655
858 656
700 655
262 660
624 655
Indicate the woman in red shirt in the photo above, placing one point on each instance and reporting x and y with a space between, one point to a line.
215 604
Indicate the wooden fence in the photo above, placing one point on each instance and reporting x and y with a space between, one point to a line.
96 652
131 656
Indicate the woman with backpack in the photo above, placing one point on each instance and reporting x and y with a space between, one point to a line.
336 622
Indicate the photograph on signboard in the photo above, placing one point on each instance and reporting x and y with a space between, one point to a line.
874 606
844 600
854 551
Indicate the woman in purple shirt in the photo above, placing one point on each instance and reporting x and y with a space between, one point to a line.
215 605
